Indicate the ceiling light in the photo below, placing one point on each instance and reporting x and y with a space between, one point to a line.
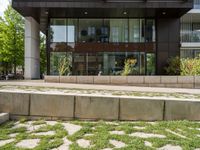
125 13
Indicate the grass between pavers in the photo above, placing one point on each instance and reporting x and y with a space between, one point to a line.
100 134
100 92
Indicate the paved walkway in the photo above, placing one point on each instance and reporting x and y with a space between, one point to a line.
41 83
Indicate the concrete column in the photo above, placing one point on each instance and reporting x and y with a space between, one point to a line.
32 49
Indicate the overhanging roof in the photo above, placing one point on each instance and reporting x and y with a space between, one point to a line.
41 10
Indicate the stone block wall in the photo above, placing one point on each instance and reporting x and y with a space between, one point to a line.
147 81
68 107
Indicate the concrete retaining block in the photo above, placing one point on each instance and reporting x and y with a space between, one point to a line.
85 79
188 86
152 79
141 109
96 108
157 85
4 117
169 79
53 79
68 79
52 105
135 79
101 79
173 85
181 110
118 80
197 79
185 79
14 103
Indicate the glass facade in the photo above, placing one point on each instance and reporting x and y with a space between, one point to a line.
190 53
190 31
196 4
101 46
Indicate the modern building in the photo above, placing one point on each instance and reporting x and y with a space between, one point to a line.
190 32
97 36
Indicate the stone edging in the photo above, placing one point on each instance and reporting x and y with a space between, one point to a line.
149 81
68 107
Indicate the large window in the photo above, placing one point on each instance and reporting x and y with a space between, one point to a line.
101 46
102 30
104 63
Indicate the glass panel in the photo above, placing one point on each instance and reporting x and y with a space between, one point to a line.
58 30
151 64
79 66
134 30
190 53
54 61
135 56
118 30
190 31
71 30
90 30
197 53
142 63
197 4
150 30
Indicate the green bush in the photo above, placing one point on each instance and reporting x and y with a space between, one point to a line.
184 66
173 66
190 67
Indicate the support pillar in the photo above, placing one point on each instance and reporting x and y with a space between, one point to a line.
32 49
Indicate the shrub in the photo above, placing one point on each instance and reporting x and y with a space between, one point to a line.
129 67
190 67
173 66
184 66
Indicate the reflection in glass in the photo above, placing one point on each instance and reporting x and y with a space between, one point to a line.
79 64
55 60
190 53
151 62
136 30
90 30
118 30
150 30
71 30
106 63
58 30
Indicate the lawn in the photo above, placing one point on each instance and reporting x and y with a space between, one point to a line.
78 135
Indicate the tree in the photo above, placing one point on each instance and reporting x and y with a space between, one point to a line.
12 40
43 60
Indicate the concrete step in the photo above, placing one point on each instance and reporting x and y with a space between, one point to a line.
4 117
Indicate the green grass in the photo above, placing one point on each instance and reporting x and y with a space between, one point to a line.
100 135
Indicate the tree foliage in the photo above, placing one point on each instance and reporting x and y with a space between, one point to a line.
11 40
43 60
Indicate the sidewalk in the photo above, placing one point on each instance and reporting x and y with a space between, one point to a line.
41 83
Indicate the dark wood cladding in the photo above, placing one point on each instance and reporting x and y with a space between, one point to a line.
103 47
168 41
